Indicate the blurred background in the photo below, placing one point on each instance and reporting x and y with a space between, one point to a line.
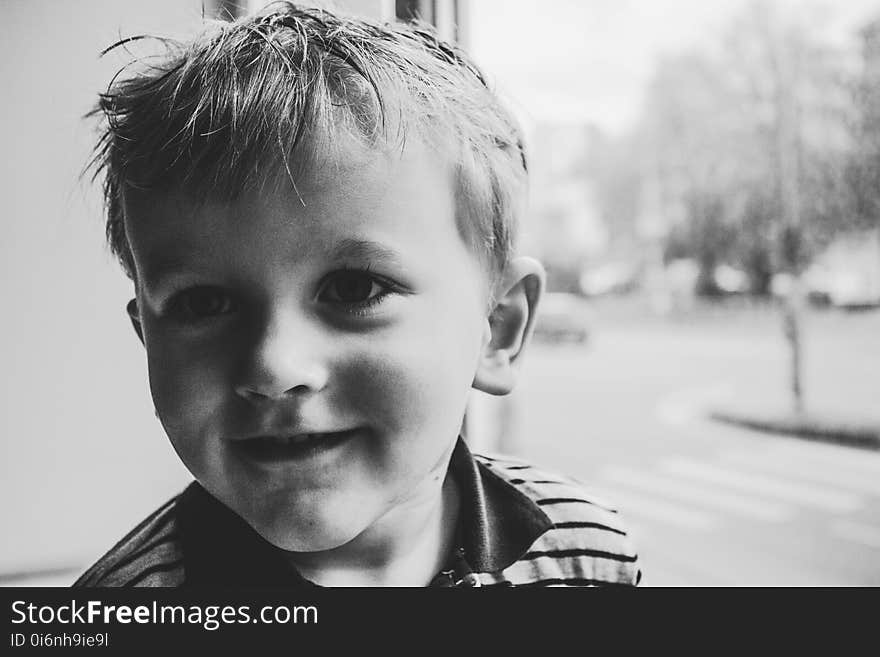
705 196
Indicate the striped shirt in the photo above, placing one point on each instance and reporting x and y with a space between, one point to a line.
519 526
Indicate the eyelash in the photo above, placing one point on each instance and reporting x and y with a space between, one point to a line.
362 308
177 307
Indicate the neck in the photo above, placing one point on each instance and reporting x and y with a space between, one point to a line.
407 547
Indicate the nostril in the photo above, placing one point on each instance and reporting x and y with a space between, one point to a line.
255 394
280 369
250 395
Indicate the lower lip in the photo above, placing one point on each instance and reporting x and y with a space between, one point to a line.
268 453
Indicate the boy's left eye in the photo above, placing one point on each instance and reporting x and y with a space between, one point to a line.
353 287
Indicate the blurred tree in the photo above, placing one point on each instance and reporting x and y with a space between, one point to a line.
798 96
754 242
614 175
750 147
863 166
705 237
700 156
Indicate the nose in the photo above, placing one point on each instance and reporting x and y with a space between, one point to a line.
282 361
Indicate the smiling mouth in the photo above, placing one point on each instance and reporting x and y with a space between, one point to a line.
274 449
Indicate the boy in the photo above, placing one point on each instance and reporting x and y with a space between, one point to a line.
317 214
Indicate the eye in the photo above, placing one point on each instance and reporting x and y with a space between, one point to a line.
201 302
353 287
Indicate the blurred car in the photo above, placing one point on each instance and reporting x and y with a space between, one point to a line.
562 318
848 289
610 278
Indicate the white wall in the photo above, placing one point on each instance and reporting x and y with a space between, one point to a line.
83 458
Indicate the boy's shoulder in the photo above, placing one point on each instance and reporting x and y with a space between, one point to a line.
149 555
587 542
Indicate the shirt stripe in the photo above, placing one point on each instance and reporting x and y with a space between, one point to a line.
588 525
174 567
151 542
143 554
582 552
561 581
568 500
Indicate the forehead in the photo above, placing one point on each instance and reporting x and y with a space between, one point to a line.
403 201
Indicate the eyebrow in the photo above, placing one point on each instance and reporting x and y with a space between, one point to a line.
162 265
357 249
165 264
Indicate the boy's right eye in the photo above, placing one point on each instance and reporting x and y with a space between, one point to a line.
201 302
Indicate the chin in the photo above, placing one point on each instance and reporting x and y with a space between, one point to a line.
308 534
313 544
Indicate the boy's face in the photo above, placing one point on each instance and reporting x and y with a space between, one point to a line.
311 361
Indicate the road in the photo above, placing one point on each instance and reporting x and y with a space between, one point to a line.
711 504
708 504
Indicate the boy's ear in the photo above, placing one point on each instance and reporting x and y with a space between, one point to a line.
134 315
509 325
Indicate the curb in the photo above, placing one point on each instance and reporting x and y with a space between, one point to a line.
863 436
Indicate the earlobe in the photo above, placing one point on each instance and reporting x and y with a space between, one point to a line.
510 326
134 315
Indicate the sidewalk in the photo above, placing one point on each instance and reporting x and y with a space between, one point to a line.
840 367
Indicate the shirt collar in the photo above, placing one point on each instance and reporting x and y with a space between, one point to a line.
497 525
497 522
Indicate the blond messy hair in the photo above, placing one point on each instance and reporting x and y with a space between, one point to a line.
258 101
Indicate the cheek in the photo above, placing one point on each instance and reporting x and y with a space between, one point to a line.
385 391
411 383
187 387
